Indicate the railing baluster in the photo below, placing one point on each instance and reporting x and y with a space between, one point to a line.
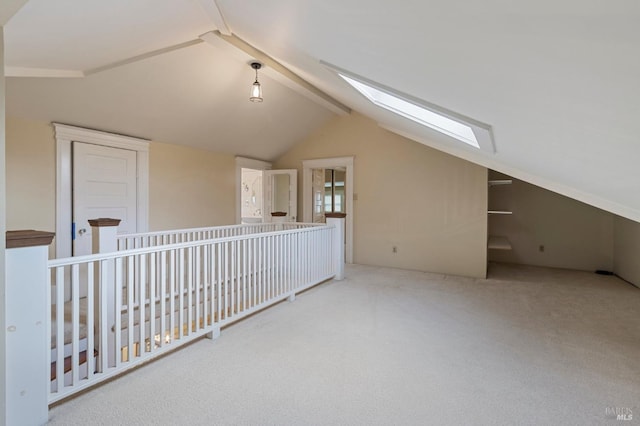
309 254
60 327
142 312
130 307
261 284
163 297
314 254
267 281
276 259
307 258
281 271
271 254
90 323
104 328
244 275
232 280
181 293
118 308
254 271
205 284
279 267
226 278
287 262
75 323
236 300
152 301
172 295
219 281
276 269
190 290
198 278
213 278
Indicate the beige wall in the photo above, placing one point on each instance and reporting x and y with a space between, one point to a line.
31 175
574 235
187 187
190 187
432 206
627 250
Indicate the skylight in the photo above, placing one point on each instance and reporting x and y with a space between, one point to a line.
418 113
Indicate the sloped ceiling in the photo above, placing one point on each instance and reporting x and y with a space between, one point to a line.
8 8
195 95
557 81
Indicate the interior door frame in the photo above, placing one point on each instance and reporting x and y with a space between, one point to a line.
65 135
246 163
307 183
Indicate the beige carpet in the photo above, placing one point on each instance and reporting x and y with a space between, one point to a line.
386 346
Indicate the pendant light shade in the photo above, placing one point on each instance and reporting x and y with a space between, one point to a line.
256 89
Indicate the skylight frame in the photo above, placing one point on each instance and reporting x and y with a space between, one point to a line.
472 133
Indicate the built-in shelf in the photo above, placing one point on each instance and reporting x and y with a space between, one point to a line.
495 242
498 243
497 182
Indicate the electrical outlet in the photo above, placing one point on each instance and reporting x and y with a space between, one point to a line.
394 249
355 197
541 248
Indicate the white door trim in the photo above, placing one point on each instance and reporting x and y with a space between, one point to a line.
330 163
245 163
66 134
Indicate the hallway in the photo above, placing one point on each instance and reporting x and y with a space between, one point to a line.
387 346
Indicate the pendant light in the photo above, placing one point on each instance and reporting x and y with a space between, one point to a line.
256 90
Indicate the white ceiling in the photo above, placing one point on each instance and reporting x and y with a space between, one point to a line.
556 80
197 95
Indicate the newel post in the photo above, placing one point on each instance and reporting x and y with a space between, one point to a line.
104 233
279 218
338 221
27 373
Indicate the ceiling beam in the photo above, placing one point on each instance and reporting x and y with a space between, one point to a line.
213 10
55 73
245 52
143 56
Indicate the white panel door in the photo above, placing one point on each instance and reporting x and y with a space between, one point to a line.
280 194
104 185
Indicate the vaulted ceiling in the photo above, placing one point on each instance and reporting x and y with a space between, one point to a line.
557 81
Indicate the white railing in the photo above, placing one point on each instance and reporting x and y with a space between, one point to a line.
150 239
126 307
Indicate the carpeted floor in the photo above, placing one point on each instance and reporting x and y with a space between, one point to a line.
392 347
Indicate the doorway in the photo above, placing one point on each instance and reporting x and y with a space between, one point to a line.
104 185
328 185
251 196
249 187
262 191
280 195
66 136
